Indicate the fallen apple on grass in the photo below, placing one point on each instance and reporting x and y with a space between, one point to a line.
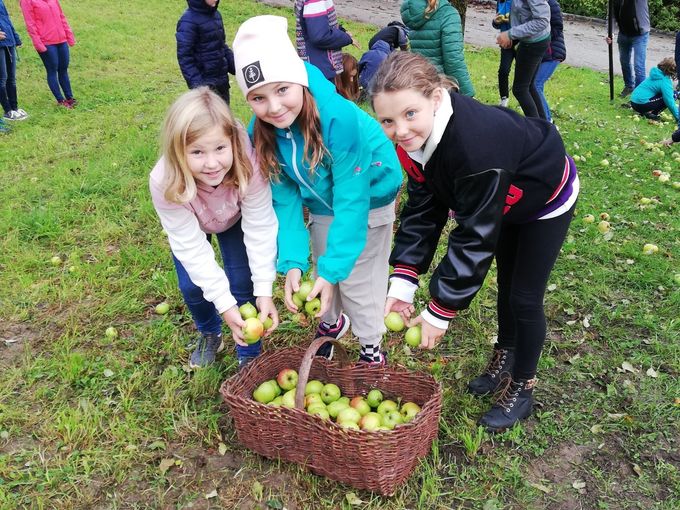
394 322
588 218
162 308
111 332
56 260
603 226
650 249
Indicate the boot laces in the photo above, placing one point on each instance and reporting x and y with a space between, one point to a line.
509 391
496 362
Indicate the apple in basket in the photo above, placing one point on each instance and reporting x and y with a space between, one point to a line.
348 415
320 411
370 421
409 410
335 407
330 393
392 418
374 398
266 392
313 399
287 379
288 399
313 386
360 405
386 406
252 331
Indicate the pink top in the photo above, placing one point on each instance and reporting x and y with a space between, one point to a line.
46 23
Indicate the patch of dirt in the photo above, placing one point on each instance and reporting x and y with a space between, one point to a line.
14 338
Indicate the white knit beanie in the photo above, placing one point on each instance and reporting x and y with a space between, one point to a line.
263 54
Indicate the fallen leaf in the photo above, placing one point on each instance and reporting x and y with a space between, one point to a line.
615 416
353 499
597 429
540 487
275 504
212 494
586 321
458 375
165 465
108 373
222 448
552 287
258 490
579 484
627 367
157 445
573 359
637 469
652 373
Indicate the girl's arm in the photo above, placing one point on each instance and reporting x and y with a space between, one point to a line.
540 21
452 46
318 28
70 38
31 26
292 237
186 36
668 98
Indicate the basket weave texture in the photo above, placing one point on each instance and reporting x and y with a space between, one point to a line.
375 461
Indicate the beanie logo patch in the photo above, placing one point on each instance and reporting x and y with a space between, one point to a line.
252 74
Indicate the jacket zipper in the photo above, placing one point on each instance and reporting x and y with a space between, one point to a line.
298 174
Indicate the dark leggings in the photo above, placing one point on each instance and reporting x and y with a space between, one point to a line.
507 56
56 59
525 256
655 105
528 58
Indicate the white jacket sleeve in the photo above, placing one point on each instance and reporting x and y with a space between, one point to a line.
260 228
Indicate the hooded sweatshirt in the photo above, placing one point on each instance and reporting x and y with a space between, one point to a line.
371 60
656 84
46 24
11 36
362 173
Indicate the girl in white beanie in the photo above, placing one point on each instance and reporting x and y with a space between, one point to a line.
323 152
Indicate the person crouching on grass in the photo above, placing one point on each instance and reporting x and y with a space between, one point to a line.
513 195
323 152
207 183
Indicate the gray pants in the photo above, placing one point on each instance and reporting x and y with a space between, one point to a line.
362 295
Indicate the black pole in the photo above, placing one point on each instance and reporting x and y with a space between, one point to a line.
611 50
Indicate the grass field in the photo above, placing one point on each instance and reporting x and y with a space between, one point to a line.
90 422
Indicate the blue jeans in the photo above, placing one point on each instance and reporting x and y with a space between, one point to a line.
56 60
635 46
545 71
8 78
236 268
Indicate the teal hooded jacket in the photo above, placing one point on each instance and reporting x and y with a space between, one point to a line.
361 173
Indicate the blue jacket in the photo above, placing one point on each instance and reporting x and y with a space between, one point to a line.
12 38
557 50
656 84
371 60
203 55
361 173
502 8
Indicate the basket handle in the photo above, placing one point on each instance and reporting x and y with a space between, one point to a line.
306 365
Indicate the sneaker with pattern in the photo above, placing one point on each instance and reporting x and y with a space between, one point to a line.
335 331
209 344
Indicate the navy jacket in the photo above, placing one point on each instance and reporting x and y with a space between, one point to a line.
371 60
395 34
203 55
12 38
557 50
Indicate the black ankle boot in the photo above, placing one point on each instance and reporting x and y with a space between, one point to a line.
514 404
499 367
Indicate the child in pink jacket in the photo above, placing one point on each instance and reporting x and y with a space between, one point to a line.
51 36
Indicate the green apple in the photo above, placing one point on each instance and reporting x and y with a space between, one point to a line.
111 332
334 408
313 386
650 249
394 322
268 323
276 387
288 399
374 398
276 402
392 418
349 425
349 414
265 392
360 405
162 308
312 307
413 336
588 218
409 411
287 379
299 302
320 411
247 311
313 399
370 421
386 406
344 399
306 287
56 260
603 226
252 330
330 393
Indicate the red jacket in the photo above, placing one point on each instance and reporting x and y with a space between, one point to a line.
46 23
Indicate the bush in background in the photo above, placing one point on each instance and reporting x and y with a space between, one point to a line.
664 14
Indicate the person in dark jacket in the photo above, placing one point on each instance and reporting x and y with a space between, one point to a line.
513 197
9 42
632 18
371 60
556 53
502 22
395 34
320 37
202 52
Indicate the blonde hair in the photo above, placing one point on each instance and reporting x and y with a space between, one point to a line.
404 70
192 115
314 152
347 82
431 7
667 67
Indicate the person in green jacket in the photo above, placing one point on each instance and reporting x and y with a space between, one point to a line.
436 32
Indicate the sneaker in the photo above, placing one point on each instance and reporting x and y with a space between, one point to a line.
504 102
515 403
627 91
651 116
335 331
243 361
365 360
72 101
65 103
209 344
499 367
12 115
21 114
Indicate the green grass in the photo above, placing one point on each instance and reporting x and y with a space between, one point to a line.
85 421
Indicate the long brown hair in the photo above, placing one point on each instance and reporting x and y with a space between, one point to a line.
264 138
193 114
347 82
403 70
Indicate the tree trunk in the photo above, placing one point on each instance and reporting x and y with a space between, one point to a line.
461 7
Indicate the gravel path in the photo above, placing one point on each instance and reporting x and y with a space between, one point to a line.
584 37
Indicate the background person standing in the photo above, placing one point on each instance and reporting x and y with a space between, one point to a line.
632 18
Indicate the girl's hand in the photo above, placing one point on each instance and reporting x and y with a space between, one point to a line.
430 335
265 304
291 286
401 307
324 289
667 143
504 40
233 319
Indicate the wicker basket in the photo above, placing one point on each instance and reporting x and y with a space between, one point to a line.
375 461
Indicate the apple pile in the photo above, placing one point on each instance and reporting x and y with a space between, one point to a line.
371 412
395 322
254 328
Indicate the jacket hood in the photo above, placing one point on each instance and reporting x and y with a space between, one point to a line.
413 13
381 46
656 74
201 6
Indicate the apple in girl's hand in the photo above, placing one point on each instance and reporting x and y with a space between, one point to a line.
162 308
287 379
330 393
313 386
299 302
268 323
312 307
305 288
247 311
394 322
252 331
409 411
374 398
413 336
